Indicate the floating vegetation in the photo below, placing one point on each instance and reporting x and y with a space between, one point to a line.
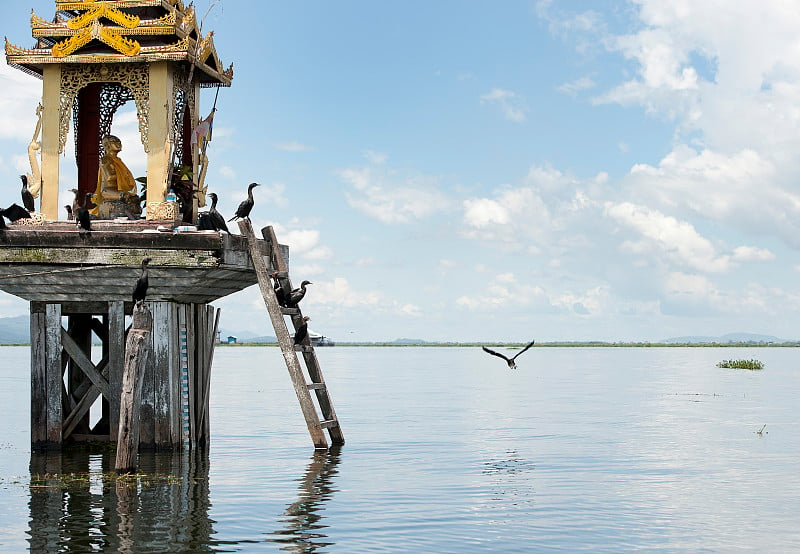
741 364
84 480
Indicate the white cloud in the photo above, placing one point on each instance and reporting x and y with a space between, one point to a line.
386 195
574 87
511 104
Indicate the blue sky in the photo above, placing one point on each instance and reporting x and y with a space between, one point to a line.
501 171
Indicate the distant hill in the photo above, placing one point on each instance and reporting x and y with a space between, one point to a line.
15 330
730 338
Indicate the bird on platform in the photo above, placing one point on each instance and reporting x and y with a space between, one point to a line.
82 214
297 295
280 294
70 217
302 331
216 218
140 289
76 203
510 361
27 197
204 222
13 213
243 211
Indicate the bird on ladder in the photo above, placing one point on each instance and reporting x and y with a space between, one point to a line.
280 294
243 211
142 283
302 331
510 361
27 197
297 295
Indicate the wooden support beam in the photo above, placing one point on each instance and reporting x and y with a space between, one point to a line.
86 365
116 352
136 357
55 383
38 382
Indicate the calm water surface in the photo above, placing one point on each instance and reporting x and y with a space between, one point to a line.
600 449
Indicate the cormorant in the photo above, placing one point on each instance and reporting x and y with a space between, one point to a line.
76 204
82 214
216 218
243 211
297 294
13 213
510 361
204 222
302 331
70 217
280 294
27 197
140 290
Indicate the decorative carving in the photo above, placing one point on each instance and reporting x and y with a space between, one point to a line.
163 211
135 77
35 176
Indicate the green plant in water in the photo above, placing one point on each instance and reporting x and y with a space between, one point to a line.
741 364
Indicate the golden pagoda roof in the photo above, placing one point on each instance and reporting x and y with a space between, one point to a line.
121 31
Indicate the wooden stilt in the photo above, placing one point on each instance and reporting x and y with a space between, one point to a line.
54 374
136 357
38 383
116 352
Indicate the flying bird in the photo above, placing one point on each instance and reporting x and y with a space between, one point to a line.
83 216
297 295
510 361
216 218
13 213
27 197
243 211
140 289
302 331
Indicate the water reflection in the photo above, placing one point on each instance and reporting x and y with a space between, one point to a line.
302 519
78 505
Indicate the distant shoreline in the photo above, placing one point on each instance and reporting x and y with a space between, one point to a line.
545 344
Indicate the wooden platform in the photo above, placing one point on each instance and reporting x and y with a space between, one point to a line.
57 263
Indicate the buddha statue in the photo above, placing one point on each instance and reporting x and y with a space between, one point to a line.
115 195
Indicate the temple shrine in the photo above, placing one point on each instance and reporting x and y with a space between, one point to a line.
92 57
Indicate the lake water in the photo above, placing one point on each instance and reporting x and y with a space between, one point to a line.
601 449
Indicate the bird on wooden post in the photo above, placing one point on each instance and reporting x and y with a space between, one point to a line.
140 289
243 211
510 361
216 218
13 213
302 331
297 295
83 216
27 197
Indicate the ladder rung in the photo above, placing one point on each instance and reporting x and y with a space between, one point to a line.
316 386
328 423
303 348
290 311
282 274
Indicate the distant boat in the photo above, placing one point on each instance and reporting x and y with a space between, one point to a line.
320 340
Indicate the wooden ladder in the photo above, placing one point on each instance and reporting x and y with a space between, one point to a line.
315 423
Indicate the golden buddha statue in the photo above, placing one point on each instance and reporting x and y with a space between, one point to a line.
116 188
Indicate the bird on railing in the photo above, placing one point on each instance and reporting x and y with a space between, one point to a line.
243 211
82 214
13 213
27 197
216 218
142 283
302 331
510 361
297 295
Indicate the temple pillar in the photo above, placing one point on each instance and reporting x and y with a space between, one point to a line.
160 133
51 100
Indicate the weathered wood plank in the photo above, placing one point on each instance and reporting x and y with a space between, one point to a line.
85 364
38 381
176 427
147 406
112 256
162 393
78 335
54 375
191 329
136 358
116 353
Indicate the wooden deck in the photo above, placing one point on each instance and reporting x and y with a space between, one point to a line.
57 263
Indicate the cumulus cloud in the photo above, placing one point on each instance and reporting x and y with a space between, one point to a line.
392 197
511 104
574 87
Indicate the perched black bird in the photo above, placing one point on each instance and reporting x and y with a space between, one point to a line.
510 361
70 217
280 294
13 213
297 295
140 290
243 211
216 218
302 331
82 214
27 197
204 222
